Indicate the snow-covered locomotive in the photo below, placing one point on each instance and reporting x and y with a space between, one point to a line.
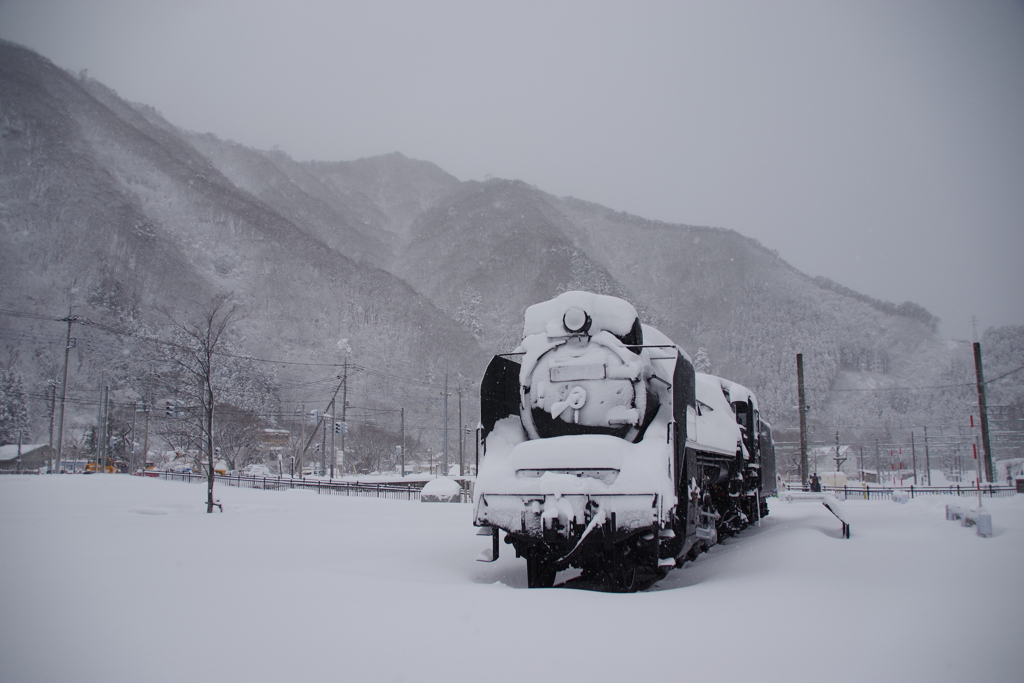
602 449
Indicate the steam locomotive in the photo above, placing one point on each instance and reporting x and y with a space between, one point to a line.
601 449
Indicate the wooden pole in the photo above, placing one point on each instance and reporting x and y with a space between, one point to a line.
70 320
983 411
802 407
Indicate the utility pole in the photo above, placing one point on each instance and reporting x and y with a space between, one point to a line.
323 444
401 414
131 455
927 460
51 389
334 436
878 464
328 416
69 344
983 411
461 439
802 407
445 423
302 438
145 437
344 408
913 456
101 436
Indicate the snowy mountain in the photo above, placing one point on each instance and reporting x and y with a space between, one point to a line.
107 206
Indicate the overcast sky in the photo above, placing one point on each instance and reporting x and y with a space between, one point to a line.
880 144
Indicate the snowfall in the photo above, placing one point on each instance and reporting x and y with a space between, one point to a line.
115 578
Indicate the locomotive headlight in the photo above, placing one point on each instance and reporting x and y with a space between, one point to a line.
576 321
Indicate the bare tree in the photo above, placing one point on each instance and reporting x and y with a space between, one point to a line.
237 432
194 353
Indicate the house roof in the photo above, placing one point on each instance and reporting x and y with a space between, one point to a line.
10 451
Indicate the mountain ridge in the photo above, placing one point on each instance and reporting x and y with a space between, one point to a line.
421 271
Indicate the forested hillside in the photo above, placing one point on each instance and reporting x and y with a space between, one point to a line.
396 267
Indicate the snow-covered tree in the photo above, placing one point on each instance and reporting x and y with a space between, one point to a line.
701 362
13 408
468 313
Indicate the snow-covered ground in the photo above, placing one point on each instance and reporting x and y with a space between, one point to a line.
114 578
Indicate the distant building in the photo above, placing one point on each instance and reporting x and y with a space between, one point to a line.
274 443
825 459
33 457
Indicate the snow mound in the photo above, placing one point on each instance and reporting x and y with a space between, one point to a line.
441 490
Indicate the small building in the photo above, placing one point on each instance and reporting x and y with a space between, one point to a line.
869 476
33 457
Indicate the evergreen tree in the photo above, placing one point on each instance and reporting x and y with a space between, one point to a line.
701 362
13 408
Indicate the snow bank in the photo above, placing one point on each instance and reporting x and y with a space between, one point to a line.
441 490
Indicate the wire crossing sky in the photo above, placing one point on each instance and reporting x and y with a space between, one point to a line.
877 143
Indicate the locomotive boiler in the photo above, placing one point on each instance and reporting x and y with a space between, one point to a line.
601 449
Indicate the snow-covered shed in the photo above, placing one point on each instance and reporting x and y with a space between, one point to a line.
33 457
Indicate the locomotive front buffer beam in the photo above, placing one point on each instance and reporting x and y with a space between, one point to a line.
565 525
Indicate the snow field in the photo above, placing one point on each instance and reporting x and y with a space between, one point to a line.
114 578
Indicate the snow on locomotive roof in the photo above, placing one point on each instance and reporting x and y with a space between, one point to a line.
607 313
716 423
738 392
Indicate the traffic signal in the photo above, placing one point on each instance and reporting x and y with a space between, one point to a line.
169 411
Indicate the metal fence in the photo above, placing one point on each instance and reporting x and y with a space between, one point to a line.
886 493
392 490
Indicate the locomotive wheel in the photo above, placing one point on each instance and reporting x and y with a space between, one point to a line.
540 573
620 570
625 576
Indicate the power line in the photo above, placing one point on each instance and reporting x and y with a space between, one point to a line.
922 388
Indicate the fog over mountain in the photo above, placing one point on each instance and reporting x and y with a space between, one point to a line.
107 207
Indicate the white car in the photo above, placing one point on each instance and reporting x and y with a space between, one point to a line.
257 471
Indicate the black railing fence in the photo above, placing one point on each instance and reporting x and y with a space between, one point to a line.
392 490
886 492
